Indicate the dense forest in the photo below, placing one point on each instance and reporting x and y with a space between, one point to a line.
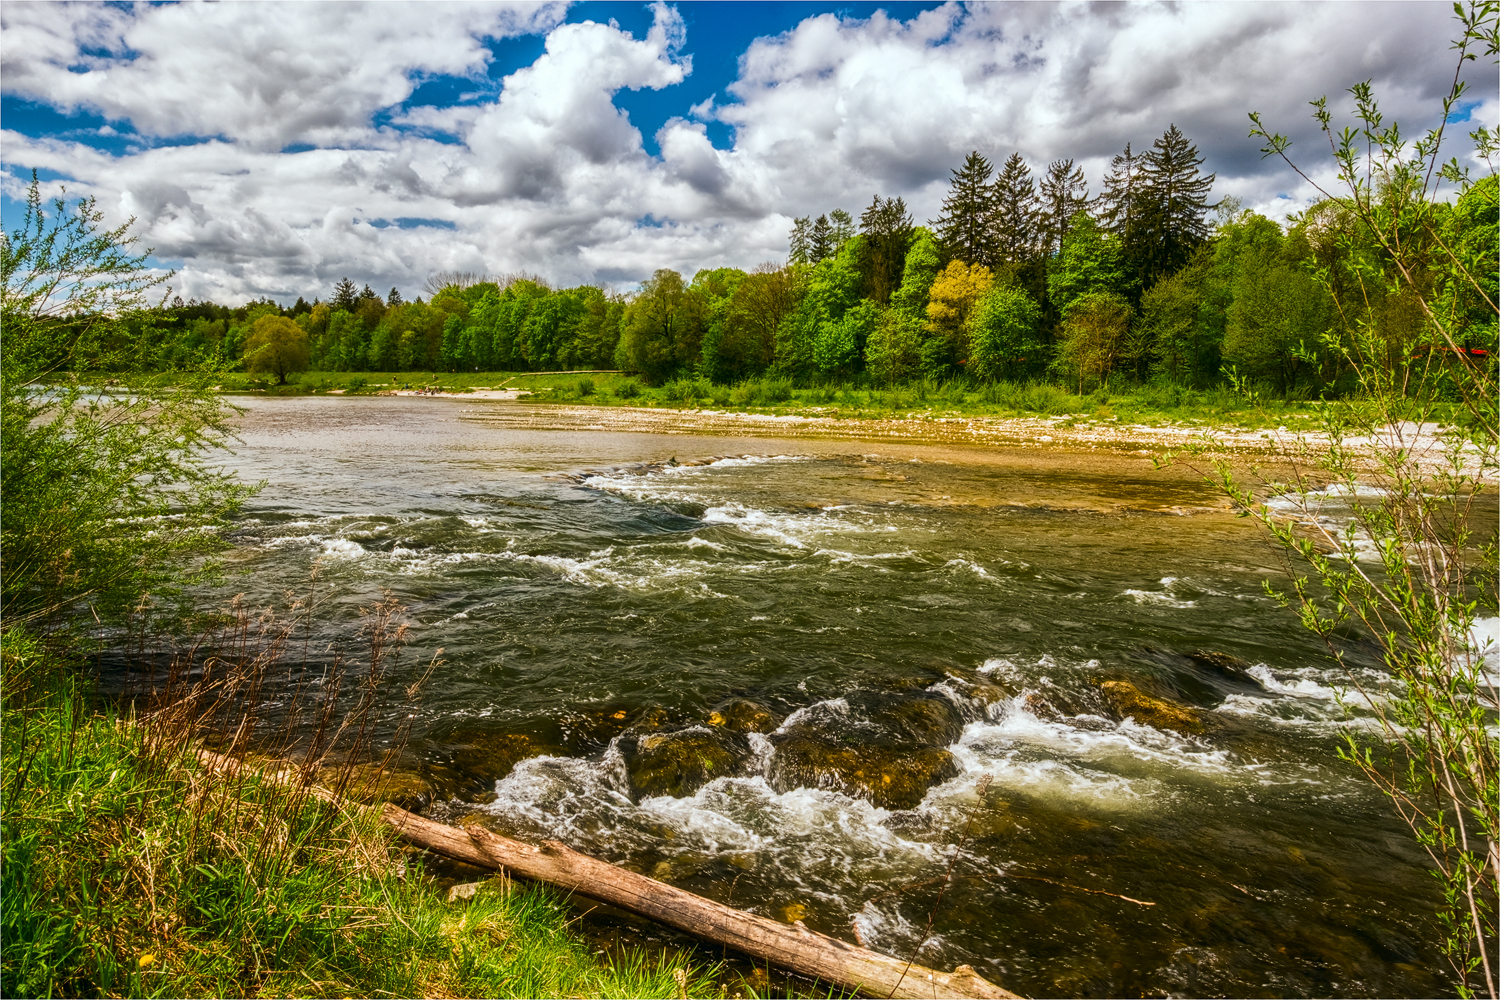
1021 277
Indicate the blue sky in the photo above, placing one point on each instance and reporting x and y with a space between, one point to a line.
269 149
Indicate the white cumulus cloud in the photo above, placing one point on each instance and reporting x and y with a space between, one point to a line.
306 165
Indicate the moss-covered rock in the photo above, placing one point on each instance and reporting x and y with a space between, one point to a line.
931 721
1129 701
743 716
480 758
678 764
890 777
371 783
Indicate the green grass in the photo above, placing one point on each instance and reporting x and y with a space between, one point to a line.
129 871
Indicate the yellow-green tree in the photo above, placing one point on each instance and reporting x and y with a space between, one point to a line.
276 345
953 297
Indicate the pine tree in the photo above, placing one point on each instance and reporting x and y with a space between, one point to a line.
963 226
801 244
1174 200
1013 214
394 299
345 296
1117 204
887 229
1064 194
841 228
820 243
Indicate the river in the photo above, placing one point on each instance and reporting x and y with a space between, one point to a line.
777 678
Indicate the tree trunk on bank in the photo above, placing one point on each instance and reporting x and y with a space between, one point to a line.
791 946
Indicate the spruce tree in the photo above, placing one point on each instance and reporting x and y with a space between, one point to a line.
820 242
801 248
345 296
394 299
1116 207
1174 201
1064 194
887 229
963 226
1013 213
841 228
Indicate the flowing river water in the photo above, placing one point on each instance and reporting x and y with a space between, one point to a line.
777 678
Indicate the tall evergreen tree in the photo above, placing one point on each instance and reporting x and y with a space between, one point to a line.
887 229
963 226
840 229
820 241
1116 207
345 296
394 299
801 247
1064 194
1174 202
1013 214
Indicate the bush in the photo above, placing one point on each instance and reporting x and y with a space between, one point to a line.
629 389
583 388
776 390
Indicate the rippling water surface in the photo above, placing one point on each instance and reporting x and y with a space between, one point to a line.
595 602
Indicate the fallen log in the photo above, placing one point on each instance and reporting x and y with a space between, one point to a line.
791 946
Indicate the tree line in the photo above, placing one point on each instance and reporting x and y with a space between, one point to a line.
1021 277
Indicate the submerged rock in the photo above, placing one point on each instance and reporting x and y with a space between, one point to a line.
1226 664
371 783
678 764
1129 701
890 777
482 758
743 716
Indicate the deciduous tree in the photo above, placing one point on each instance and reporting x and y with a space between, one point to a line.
277 346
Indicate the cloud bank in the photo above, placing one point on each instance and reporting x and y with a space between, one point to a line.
271 149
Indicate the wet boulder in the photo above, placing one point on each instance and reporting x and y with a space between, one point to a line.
930 721
1129 701
743 716
890 777
678 764
1225 664
480 758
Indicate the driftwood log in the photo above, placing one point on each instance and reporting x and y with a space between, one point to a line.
791 946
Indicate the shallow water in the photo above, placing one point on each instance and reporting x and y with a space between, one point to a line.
577 593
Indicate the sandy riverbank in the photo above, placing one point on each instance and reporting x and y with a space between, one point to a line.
1058 433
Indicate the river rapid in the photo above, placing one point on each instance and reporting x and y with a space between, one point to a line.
776 676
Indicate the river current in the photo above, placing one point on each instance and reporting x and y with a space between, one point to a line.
600 597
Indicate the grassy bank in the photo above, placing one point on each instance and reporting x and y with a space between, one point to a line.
127 871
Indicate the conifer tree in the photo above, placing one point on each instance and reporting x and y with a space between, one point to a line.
887 229
345 296
841 228
1013 215
1064 194
394 299
963 226
1117 204
820 242
801 246
1174 201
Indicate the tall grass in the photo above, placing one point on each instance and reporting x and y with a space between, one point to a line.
132 868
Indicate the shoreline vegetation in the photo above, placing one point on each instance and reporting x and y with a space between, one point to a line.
131 869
